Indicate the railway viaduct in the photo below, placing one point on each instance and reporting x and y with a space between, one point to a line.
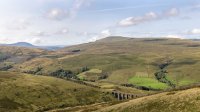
124 96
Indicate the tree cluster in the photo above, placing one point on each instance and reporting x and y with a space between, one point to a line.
63 74
162 73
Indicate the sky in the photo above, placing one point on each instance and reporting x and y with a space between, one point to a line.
69 22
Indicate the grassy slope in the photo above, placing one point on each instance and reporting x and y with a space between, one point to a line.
21 50
92 74
123 58
49 65
177 101
23 92
10 56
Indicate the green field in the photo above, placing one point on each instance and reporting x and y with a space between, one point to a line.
148 82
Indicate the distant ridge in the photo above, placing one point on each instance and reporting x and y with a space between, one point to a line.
22 44
29 45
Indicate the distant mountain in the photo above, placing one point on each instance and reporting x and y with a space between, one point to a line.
28 45
22 44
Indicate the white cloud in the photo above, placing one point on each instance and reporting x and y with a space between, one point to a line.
174 36
78 4
103 34
172 12
57 14
137 20
60 14
62 31
39 33
127 21
106 32
194 31
35 41
151 16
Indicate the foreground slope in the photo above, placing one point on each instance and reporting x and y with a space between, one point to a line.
23 92
176 101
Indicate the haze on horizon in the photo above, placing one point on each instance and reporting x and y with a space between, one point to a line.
67 22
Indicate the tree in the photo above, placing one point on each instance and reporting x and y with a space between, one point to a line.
162 73
84 69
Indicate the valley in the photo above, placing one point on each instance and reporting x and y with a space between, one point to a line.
83 77
99 56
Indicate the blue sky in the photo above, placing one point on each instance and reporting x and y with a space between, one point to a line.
67 22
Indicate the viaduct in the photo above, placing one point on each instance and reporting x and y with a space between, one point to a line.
124 96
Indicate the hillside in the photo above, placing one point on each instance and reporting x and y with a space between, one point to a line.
24 92
10 55
20 50
128 65
175 101
99 56
125 60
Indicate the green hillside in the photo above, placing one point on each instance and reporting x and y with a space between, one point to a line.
24 92
111 64
175 101
122 59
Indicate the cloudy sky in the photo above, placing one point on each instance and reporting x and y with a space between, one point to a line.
67 22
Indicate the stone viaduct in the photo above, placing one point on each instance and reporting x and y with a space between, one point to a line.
124 96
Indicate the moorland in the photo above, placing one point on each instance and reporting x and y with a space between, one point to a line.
163 72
